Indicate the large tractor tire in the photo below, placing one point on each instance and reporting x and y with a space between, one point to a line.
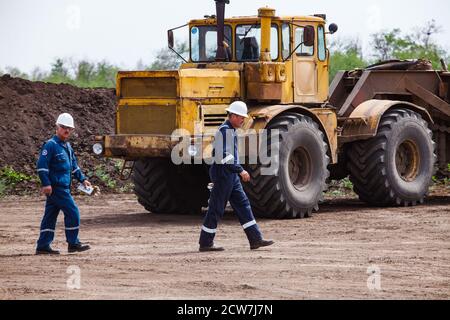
162 187
396 166
297 184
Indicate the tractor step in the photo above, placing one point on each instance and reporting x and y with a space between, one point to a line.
127 170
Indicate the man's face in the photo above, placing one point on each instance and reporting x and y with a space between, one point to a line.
237 121
63 132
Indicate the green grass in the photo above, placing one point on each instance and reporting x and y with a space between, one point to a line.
103 175
9 178
347 184
3 187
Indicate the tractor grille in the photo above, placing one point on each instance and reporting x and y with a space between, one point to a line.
147 119
214 120
213 115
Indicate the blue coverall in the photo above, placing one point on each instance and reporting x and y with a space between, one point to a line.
56 165
224 173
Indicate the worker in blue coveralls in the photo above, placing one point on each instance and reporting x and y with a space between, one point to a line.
56 165
225 174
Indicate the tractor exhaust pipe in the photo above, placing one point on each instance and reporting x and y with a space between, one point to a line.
220 16
266 15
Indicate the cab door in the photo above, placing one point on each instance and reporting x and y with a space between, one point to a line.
305 66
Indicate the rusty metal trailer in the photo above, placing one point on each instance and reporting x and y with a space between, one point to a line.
425 91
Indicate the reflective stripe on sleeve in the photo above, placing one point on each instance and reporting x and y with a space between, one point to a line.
228 158
43 170
77 169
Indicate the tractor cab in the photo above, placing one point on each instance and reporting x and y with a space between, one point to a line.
291 50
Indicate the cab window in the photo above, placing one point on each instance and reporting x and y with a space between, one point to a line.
285 41
302 49
321 50
204 43
248 42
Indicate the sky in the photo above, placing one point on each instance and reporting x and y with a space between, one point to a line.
35 33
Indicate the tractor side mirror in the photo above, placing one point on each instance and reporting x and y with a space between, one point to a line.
309 36
170 39
333 28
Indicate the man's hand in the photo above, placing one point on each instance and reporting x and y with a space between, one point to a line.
245 176
47 191
87 184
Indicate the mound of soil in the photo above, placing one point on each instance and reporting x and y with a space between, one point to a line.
28 111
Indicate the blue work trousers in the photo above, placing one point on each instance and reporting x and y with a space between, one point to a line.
60 199
227 187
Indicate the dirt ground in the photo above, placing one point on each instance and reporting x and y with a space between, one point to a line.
137 255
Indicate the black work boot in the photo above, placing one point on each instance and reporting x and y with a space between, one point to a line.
78 247
212 248
48 251
261 243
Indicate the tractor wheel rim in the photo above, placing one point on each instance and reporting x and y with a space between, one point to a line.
407 160
300 168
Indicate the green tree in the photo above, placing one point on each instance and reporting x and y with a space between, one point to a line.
414 45
105 75
345 54
59 73
84 73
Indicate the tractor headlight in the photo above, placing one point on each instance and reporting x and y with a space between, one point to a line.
97 148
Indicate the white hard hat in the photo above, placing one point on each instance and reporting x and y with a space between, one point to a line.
66 120
239 108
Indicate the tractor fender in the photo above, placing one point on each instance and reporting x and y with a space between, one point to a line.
326 118
364 121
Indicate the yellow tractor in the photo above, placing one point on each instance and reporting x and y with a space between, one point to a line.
374 125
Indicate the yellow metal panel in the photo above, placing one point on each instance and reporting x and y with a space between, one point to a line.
326 118
305 79
150 87
146 74
287 95
310 74
189 115
148 102
133 75
138 146
209 83
328 121
253 19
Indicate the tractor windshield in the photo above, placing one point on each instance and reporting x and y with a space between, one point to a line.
204 43
248 42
